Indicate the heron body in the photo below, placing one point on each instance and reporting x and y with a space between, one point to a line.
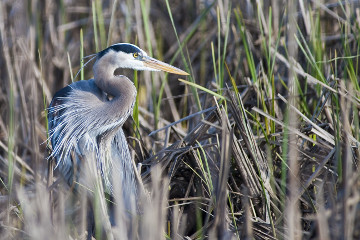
97 135
85 123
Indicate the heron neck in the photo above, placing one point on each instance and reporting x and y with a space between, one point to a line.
120 87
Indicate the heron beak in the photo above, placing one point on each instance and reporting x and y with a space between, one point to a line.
159 65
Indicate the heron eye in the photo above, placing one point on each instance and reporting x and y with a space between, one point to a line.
136 55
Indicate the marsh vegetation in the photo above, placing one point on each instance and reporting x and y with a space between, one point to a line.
260 141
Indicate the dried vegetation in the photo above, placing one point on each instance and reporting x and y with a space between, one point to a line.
267 148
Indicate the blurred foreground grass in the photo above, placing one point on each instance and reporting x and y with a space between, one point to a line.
268 148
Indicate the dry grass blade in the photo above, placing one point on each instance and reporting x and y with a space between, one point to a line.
300 71
319 131
248 137
291 129
220 228
247 170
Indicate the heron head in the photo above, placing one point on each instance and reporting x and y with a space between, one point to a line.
125 55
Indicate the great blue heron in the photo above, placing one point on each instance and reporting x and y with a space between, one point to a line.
85 125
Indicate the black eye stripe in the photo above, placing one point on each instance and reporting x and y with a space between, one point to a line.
120 47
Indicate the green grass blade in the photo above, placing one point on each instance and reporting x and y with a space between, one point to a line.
101 23
202 88
94 17
81 55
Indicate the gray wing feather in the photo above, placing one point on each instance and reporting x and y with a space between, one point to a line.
75 126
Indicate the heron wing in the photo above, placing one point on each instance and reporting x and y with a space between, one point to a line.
79 132
69 121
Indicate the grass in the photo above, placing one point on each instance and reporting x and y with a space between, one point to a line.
260 141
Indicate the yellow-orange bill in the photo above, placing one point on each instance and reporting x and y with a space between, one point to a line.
159 65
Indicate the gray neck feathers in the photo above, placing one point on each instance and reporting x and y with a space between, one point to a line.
120 87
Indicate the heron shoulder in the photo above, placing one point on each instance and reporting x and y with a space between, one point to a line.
82 85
